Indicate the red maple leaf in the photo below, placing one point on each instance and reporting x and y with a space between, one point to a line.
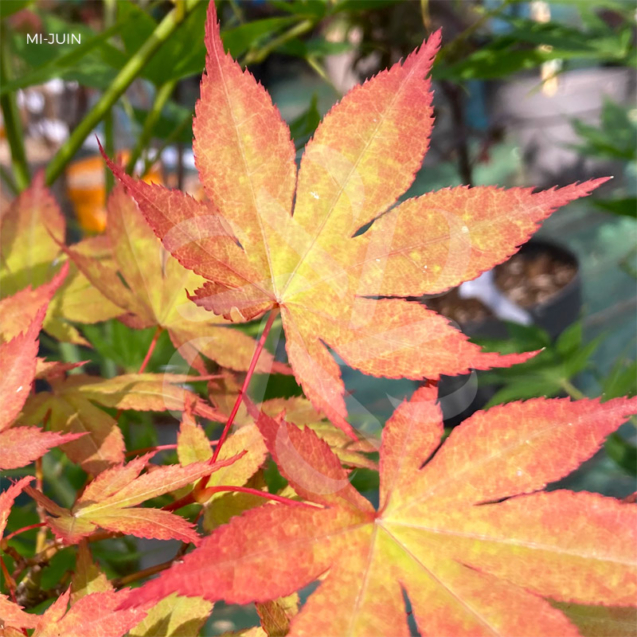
465 534
269 238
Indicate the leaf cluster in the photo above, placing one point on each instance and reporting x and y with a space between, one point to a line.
463 537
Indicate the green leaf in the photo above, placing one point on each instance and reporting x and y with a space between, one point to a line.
92 63
525 389
601 621
504 56
172 118
621 381
625 207
303 127
355 6
302 8
9 7
622 452
570 340
182 55
522 338
315 47
615 138
251 34
577 361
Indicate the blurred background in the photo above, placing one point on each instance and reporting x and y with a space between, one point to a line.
537 93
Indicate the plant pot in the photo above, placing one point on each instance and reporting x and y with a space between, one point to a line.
552 304
541 123
544 279
461 396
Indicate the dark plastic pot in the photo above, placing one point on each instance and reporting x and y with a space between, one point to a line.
563 308
461 396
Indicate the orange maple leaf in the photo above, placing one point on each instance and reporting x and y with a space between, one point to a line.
110 502
10 613
20 446
269 238
30 230
73 405
467 538
93 615
150 287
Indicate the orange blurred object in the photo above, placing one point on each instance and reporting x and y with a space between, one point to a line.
86 188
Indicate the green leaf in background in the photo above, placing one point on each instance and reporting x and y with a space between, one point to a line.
626 207
249 35
315 47
9 7
614 138
621 380
355 6
92 63
519 50
601 621
523 338
302 8
173 118
183 54
546 373
303 127
623 452
127 347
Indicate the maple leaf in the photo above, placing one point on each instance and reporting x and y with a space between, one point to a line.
174 617
299 411
193 446
171 617
71 407
110 502
30 230
150 286
10 613
313 260
20 446
93 615
88 578
223 393
467 537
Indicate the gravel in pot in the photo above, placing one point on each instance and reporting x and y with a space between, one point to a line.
543 278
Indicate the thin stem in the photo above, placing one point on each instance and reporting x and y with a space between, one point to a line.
163 95
40 541
139 452
109 147
571 390
12 122
145 572
243 390
151 349
457 108
262 494
424 12
449 49
254 57
124 78
149 353
150 161
322 73
10 581
189 498
236 10
110 13
24 529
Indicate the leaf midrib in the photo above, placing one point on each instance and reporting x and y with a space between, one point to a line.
339 194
